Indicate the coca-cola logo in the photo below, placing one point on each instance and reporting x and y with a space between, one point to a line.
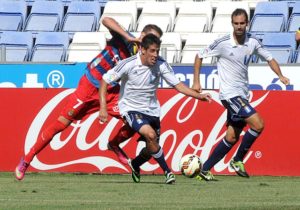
185 129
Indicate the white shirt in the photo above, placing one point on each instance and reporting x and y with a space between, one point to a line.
232 63
139 84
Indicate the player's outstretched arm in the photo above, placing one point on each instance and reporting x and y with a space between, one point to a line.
113 25
196 82
182 88
275 67
102 100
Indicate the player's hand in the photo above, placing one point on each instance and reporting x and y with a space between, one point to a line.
197 87
134 40
103 116
284 80
205 97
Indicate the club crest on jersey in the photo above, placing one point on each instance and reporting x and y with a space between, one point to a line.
71 112
138 118
112 77
247 109
116 108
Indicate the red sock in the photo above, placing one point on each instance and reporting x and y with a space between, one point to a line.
123 134
43 140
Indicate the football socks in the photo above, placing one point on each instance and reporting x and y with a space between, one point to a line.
142 158
219 152
43 140
247 141
160 159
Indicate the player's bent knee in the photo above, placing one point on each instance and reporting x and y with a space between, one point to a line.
259 127
231 140
151 136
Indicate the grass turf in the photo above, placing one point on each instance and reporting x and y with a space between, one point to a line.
71 191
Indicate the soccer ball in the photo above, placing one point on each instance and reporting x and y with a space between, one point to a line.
190 165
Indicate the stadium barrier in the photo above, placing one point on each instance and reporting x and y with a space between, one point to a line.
188 126
67 75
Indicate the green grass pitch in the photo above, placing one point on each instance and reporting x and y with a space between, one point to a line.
71 191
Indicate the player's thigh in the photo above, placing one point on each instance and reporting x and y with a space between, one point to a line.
140 123
255 122
148 132
77 108
238 109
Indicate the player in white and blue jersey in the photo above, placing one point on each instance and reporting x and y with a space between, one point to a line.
233 53
84 100
138 104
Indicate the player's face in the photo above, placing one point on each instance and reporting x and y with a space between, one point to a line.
239 24
150 55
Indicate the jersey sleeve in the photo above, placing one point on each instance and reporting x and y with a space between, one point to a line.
262 52
209 51
168 74
114 75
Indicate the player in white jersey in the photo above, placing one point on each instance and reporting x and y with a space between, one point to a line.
233 53
138 104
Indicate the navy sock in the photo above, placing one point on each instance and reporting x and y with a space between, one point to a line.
219 152
139 160
248 139
160 159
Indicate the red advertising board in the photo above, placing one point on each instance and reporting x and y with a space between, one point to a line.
188 126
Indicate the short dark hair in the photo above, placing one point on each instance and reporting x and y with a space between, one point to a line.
150 39
150 27
239 11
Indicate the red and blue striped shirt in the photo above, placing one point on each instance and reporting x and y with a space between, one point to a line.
116 49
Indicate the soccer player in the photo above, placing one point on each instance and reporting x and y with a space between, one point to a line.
85 98
138 104
233 54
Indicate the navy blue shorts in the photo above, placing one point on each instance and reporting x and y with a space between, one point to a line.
238 109
136 120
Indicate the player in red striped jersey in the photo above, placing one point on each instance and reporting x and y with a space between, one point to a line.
85 99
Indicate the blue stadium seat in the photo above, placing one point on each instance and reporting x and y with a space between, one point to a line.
103 2
294 21
270 17
82 16
68 2
12 15
50 47
17 45
281 45
45 16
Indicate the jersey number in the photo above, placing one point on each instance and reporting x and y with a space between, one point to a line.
78 104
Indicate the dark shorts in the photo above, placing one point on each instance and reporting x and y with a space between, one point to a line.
136 120
238 109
